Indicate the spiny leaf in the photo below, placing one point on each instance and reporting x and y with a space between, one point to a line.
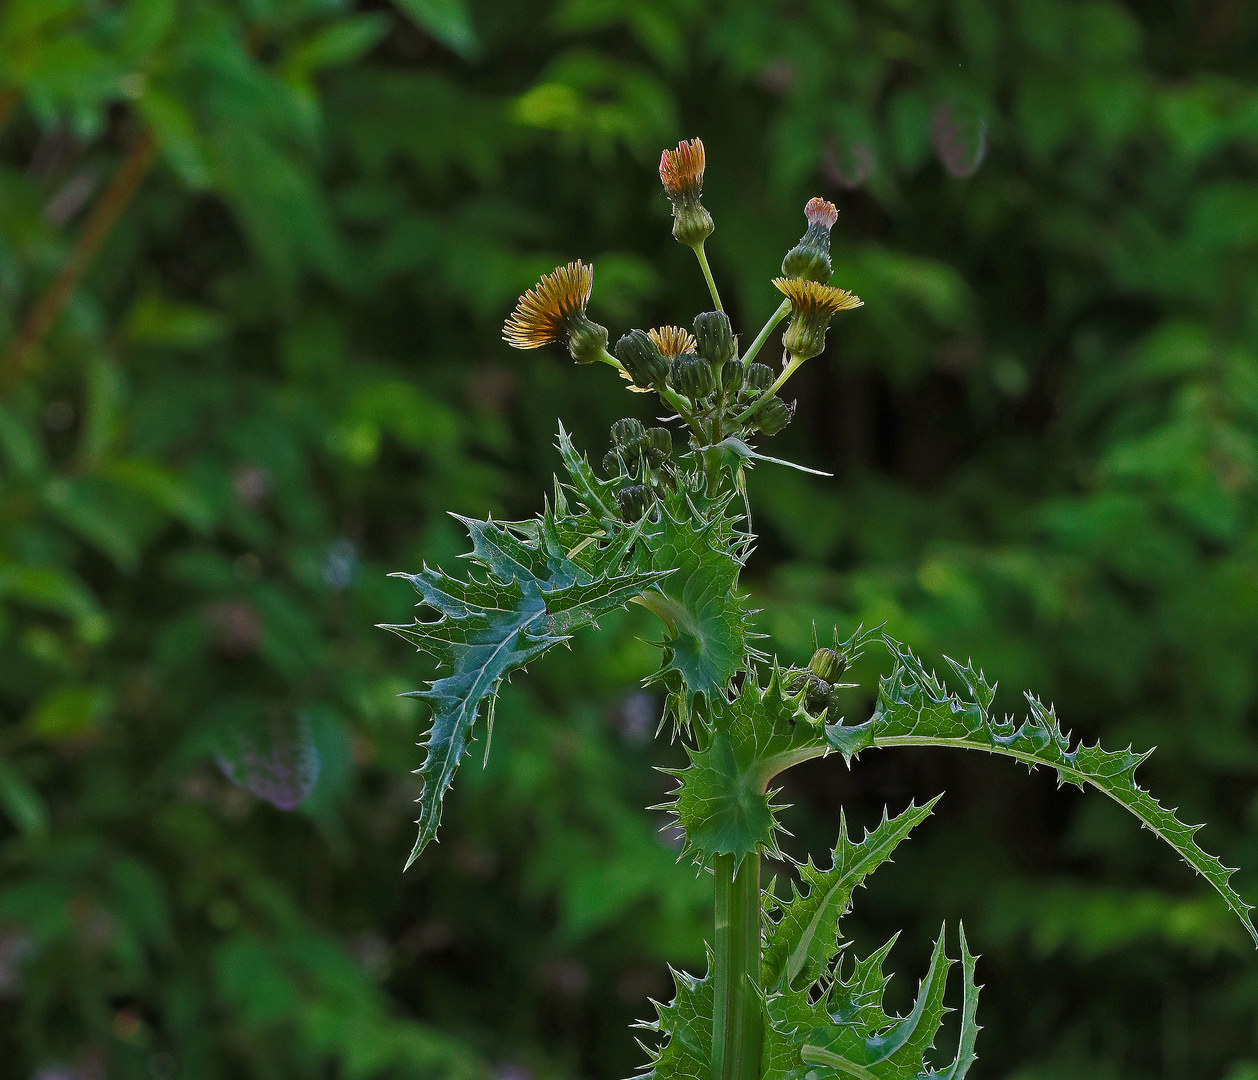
804 937
905 1046
916 709
852 1045
969 1024
705 615
839 1028
723 802
857 1000
533 598
789 1018
685 1027
597 496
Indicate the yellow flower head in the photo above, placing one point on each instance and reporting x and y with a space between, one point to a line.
635 389
546 312
813 305
813 298
672 340
681 170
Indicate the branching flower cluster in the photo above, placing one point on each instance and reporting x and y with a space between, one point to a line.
669 528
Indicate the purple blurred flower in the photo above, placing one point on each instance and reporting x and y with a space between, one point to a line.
849 163
958 132
276 760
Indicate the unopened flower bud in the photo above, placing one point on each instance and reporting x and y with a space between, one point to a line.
691 375
659 446
611 461
772 416
587 341
827 664
628 433
732 376
816 689
810 258
681 172
816 692
641 359
692 224
633 501
759 377
715 338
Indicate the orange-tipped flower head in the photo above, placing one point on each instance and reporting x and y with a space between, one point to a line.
810 258
813 305
681 172
554 310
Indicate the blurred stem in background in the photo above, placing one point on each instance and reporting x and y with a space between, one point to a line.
100 223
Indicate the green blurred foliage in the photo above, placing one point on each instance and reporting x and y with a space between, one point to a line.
284 367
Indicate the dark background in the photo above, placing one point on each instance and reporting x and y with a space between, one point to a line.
238 395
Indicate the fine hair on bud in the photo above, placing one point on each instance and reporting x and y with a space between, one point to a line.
827 664
640 357
810 258
714 338
773 416
659 446
816 689
633 501
759 378
628 433
691 375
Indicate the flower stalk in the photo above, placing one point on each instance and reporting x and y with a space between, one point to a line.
701 255
783 309
792 366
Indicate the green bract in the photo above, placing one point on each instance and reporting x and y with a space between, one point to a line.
671 531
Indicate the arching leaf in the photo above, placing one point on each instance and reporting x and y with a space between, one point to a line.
916 709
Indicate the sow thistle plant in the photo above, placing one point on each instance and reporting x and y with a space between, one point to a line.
669 528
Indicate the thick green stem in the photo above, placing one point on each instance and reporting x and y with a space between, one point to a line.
707 275
737 1025
783 310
